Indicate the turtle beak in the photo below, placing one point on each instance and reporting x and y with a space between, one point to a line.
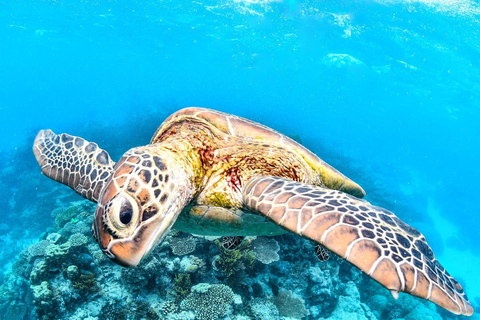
128 252
125 252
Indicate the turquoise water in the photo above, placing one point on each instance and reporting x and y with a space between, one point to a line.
386 91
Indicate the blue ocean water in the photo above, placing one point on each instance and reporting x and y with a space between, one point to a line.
386 91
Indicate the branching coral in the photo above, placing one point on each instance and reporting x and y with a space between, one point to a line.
181 287
64 215
86 282
262 309
182 246
169 307
208 301
78 240
37 249
230 262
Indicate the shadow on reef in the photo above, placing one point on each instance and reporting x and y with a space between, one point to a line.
66 276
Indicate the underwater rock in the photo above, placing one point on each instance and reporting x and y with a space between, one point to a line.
265 250
96 253
319 276
289 305
184 315
208 301
91 311
134 278
83 227
150 267
322 288
422 311
186 266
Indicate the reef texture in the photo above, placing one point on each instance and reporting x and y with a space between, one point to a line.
64 275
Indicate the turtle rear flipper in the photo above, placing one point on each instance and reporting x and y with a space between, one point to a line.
371 238
231 242
323 254
73 161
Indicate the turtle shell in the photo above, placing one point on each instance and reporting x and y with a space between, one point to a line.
218 130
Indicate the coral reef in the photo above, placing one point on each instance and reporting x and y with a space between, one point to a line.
289 305
208 301
350 307
64 275
232 262
262 309
69 214
181 287
266 250
182 245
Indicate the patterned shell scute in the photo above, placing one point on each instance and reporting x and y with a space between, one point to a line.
232 128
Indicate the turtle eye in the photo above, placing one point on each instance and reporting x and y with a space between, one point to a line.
122 213
126 212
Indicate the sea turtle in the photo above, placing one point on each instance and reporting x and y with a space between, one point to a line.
211 173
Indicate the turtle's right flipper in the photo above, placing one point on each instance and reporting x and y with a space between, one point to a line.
372 238
77 163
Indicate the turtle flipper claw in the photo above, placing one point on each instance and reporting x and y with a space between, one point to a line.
371 238
73 161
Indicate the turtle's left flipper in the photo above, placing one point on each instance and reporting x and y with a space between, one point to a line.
77 163
373 239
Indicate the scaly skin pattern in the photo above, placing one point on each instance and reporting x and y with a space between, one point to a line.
73 161
232 150
372 238
206 172
151 184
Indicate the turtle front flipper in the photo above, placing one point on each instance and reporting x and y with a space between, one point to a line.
371 238
73 161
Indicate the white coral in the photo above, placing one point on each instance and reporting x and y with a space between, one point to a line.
266 250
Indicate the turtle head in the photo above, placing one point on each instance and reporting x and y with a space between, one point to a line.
140 204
